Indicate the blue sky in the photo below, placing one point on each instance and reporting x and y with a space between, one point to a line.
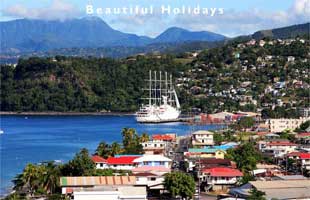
239 17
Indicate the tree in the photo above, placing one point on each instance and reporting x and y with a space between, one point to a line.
256 195
80 165
103 150
218 138
131 141
303 127
144 137
180 184
115 149
246 122
245 156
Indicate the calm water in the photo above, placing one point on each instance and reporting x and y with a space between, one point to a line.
33 139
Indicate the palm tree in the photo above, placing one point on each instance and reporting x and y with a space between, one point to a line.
144 137
30 177
103 150
115 148
51 177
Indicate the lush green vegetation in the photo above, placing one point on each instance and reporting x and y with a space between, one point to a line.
231 78
180 184
79 84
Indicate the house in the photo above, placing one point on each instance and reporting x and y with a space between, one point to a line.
282 124
302 158
121 162
202 138
203 163
100 162
277 149
156 164
151 181
154 147
153 160
290 59
266 170
220 177
102 187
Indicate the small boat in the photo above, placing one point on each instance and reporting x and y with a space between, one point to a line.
1 132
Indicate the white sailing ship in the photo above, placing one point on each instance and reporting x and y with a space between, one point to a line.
163 103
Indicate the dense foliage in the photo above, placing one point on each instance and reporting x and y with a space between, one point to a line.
78 84
180 184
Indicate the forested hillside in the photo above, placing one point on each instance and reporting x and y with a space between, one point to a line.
78 84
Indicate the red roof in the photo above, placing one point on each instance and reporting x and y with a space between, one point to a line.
305 134
300 155
304 156
279 143
222 172
123 160
162 137
98 159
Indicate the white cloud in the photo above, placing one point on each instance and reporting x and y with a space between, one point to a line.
59 9
231 23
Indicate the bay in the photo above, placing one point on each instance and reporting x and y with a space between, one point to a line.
33 139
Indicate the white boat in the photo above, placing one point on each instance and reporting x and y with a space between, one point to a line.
1 132
163 104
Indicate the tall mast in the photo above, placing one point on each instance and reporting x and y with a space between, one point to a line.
150 89
170 89
166 82
160 88
155 88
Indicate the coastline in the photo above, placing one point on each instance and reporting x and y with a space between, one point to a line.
67 113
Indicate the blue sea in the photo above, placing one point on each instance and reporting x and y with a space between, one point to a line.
33 139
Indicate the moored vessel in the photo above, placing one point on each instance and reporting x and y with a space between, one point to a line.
163 104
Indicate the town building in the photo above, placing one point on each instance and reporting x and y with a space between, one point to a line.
205 153
102 187
220 178
121 162
276 149
279 125
302 158
202 139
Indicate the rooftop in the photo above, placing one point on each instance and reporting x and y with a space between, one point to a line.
202 132
98 159
223 172
97 180
284 189
150 158
124 160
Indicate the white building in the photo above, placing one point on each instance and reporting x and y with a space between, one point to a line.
202 138
277 149
153 160
282 124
